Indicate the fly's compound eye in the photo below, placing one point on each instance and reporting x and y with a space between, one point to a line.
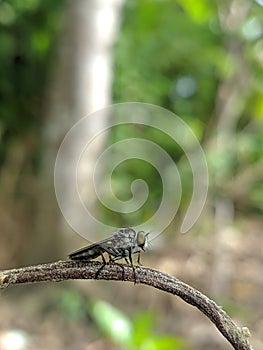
141 239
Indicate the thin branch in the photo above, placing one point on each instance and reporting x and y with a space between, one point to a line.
65 270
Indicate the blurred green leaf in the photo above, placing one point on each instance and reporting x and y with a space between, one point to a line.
256 196
132 335
200 11
112 322
162 343
71 304
143 324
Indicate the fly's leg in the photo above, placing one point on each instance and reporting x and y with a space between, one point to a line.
103 259
113 261
103 264
134 274
139 259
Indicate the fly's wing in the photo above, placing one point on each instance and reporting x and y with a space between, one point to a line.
88 253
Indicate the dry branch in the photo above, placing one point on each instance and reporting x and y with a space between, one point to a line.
65 270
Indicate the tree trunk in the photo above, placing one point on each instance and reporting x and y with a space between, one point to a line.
81 85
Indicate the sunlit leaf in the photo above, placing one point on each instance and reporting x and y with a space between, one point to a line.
112 322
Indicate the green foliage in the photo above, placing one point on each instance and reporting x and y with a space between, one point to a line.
159 45
132 334
112 322
177 54
27 32
167 54
71 304
128 334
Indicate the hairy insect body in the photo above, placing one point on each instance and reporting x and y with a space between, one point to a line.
123 243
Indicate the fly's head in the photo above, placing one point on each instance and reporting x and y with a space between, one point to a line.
142 240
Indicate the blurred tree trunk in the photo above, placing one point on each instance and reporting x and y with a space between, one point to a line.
81 84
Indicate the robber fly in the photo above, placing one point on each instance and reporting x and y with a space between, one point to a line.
123 243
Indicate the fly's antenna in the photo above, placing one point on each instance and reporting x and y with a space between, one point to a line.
149 241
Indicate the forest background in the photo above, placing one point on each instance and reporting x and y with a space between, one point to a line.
201 60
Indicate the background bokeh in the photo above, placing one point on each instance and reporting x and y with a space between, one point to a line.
61 60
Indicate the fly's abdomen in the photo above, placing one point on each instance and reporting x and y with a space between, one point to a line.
87 253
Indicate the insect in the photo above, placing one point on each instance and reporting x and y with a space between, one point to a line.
123 243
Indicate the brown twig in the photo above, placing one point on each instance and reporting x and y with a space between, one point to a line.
65 270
